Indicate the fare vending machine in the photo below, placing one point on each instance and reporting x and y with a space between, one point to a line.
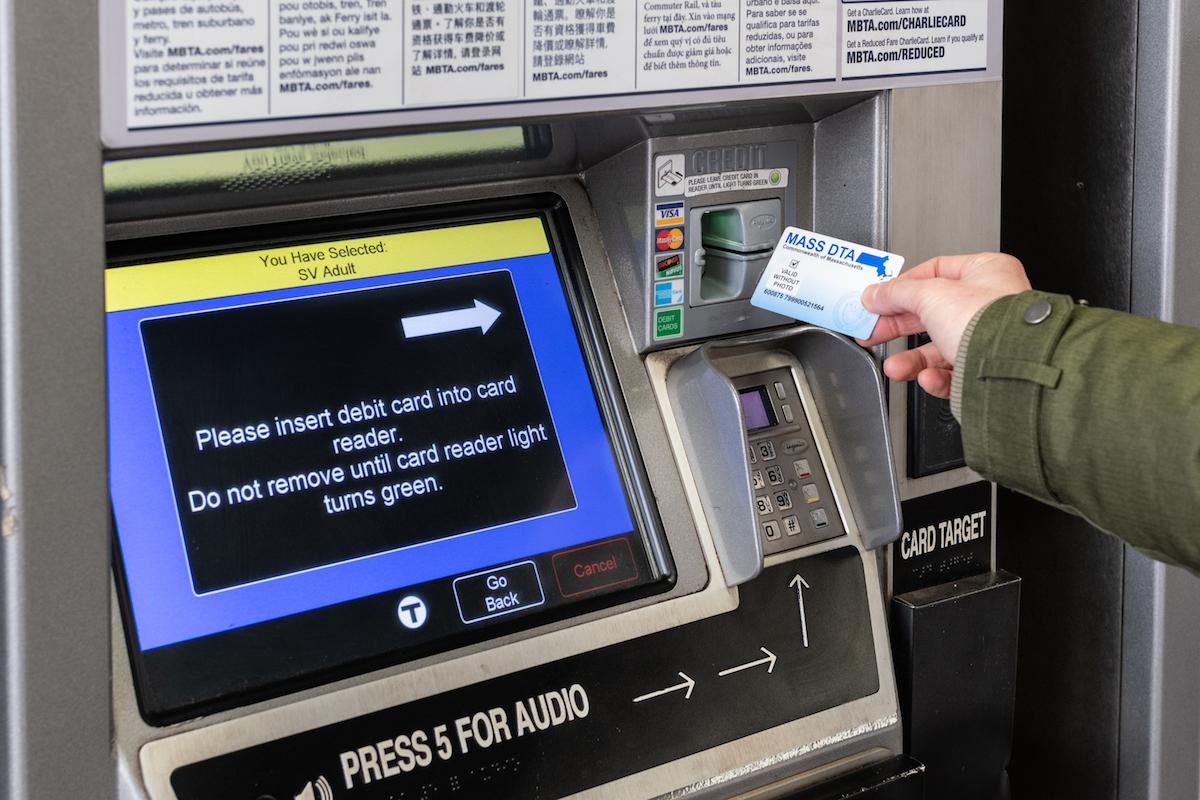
446 454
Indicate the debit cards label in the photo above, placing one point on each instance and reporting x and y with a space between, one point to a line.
820 280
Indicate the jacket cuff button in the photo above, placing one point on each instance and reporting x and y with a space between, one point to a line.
1038 311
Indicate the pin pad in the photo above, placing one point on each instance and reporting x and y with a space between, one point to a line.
792 496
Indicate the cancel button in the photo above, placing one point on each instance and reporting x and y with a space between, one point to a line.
594 567
503 590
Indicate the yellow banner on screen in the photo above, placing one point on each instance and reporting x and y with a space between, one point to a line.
288 266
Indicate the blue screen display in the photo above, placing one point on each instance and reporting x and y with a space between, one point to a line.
281 451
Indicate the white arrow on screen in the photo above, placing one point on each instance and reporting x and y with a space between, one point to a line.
480 315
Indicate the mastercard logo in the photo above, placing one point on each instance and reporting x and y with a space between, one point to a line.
669 239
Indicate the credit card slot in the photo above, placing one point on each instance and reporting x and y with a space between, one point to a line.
736 242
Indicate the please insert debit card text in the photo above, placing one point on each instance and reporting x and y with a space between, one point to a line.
820 279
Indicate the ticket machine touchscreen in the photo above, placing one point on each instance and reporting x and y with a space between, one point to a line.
326 454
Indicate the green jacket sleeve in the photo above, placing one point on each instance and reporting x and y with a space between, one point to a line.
1094 411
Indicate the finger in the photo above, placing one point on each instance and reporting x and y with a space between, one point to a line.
907 365
938 267
899 297
936 382
893 327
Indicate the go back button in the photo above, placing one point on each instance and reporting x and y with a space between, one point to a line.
594 567
493 592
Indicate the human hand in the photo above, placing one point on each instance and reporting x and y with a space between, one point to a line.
939 296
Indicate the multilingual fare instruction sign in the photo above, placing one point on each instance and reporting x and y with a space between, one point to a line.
171 64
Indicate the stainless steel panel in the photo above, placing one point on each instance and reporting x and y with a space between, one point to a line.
1160 682
943 192
55 739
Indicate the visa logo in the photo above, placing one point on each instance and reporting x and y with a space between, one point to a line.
668 214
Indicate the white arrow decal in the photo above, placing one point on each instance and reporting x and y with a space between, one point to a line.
687 684
769 661
480 315
801 585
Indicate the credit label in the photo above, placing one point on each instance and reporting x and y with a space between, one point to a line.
820 279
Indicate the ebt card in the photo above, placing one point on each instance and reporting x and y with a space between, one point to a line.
820 280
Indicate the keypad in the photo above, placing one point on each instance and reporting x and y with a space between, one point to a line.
786 472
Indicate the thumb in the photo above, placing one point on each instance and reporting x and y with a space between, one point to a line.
899 297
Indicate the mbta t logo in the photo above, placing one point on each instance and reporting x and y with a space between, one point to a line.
412 612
